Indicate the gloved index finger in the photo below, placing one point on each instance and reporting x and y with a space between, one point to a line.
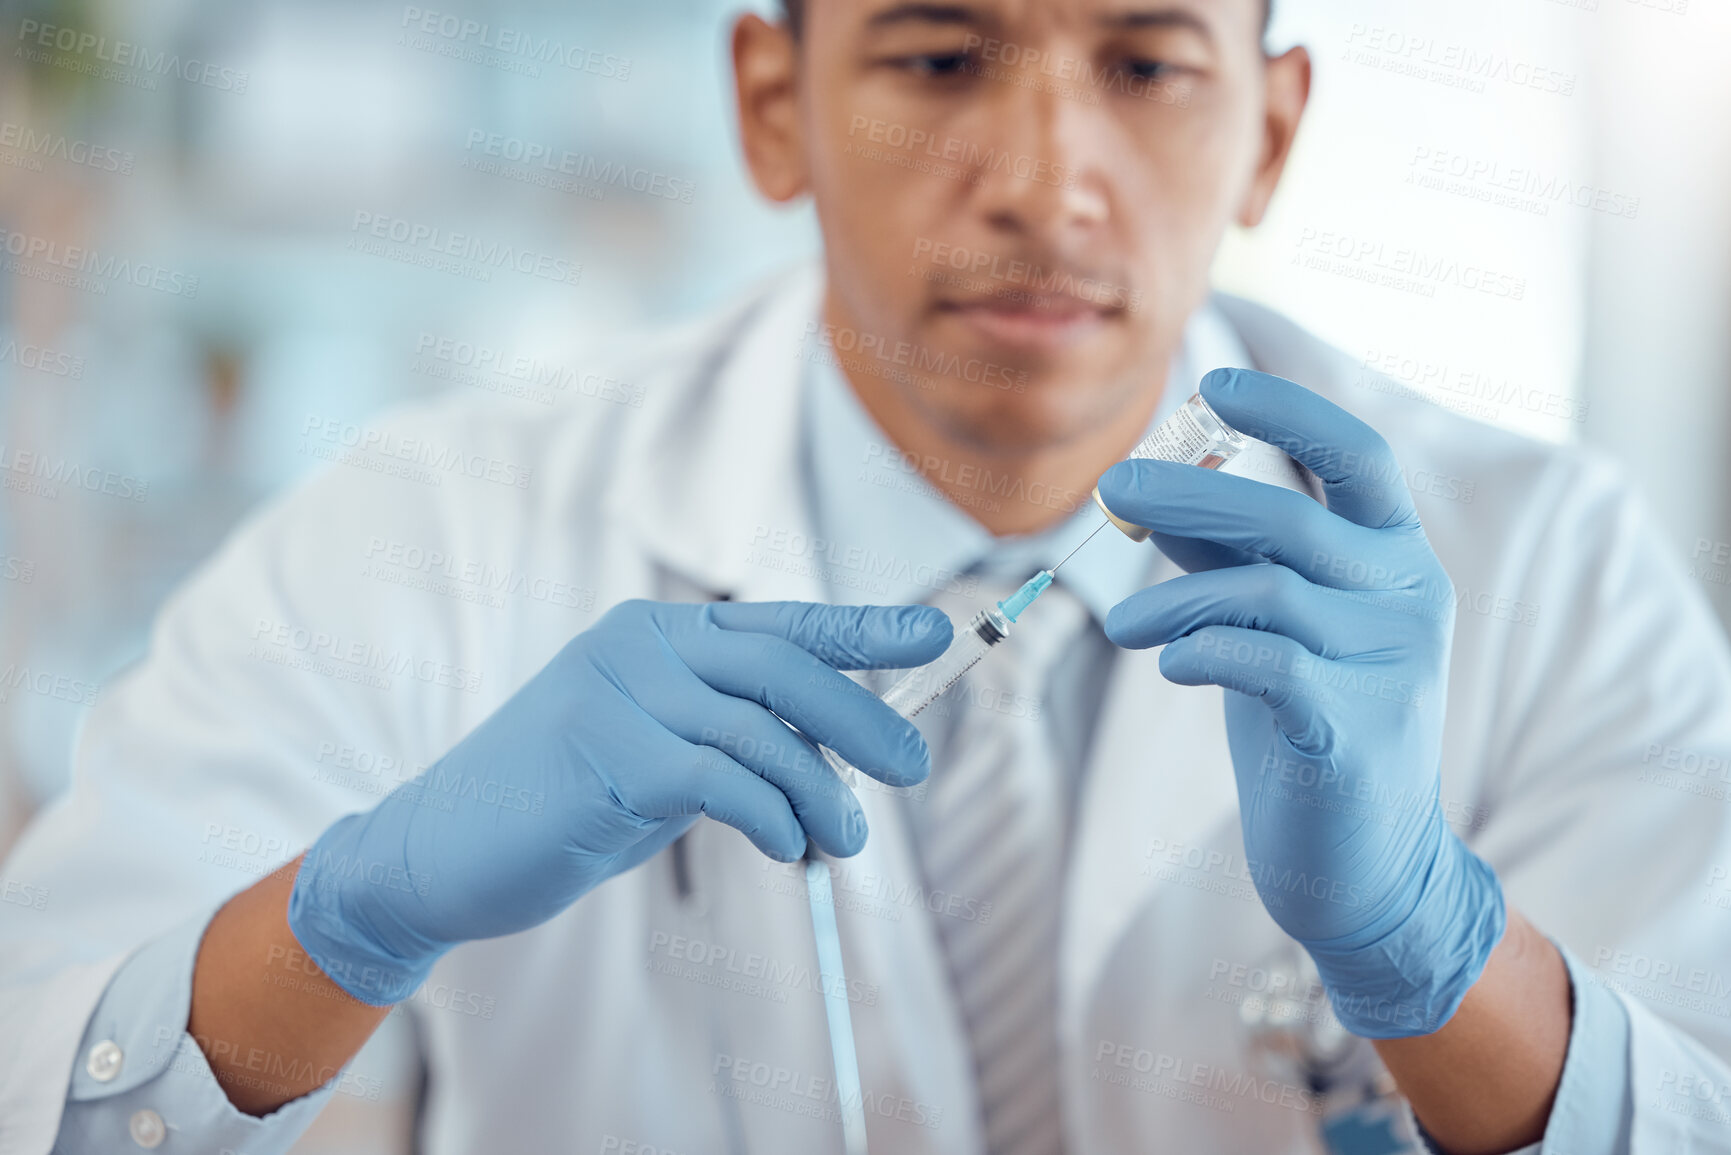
1264 521
823 705
1360 476
845 637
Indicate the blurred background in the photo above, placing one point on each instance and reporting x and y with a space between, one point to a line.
1519 209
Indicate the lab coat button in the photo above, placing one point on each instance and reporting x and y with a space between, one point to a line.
147 1128
103 1062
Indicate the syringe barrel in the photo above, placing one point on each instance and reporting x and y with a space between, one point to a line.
1195 435
920 688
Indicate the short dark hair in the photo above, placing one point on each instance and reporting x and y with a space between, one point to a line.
793 13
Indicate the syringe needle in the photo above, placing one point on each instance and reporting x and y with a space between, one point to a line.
1079 545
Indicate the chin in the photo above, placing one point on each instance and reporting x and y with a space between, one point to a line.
1046 409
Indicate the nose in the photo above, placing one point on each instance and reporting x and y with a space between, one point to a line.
1041 174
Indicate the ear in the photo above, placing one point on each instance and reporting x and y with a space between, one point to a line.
766 80
1286 91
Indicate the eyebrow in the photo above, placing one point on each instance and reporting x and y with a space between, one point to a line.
1159 18
924 12
916 12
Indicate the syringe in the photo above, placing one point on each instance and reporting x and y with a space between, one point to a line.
1194 435
916 690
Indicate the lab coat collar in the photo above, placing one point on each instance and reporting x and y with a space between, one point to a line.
708 480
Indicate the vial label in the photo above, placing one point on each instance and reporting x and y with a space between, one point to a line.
1192 436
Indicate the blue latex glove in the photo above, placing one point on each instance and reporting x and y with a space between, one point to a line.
1331 628
658 714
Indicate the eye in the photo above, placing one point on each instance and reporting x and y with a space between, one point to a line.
1144 69
935 63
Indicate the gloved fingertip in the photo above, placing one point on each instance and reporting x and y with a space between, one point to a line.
1117 624
909 774
854 835
1175 659
1221 382
928 623
1121 476
919 756
1115 486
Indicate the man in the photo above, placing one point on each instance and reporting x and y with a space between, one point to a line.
1019 202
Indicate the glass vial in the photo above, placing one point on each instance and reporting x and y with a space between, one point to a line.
1195 435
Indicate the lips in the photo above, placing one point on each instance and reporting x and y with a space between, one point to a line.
1030 321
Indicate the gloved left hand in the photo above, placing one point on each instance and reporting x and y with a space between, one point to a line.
1330 629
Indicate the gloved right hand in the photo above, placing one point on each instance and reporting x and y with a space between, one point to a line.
659 713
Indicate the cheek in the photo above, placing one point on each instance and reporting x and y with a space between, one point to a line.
1177 201
1199 160
880 220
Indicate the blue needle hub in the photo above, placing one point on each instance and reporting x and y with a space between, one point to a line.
1013 605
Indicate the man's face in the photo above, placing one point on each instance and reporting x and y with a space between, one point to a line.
1034 186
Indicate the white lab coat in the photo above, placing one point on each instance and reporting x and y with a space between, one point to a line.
1581 655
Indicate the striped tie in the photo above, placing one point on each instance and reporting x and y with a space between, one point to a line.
993 831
